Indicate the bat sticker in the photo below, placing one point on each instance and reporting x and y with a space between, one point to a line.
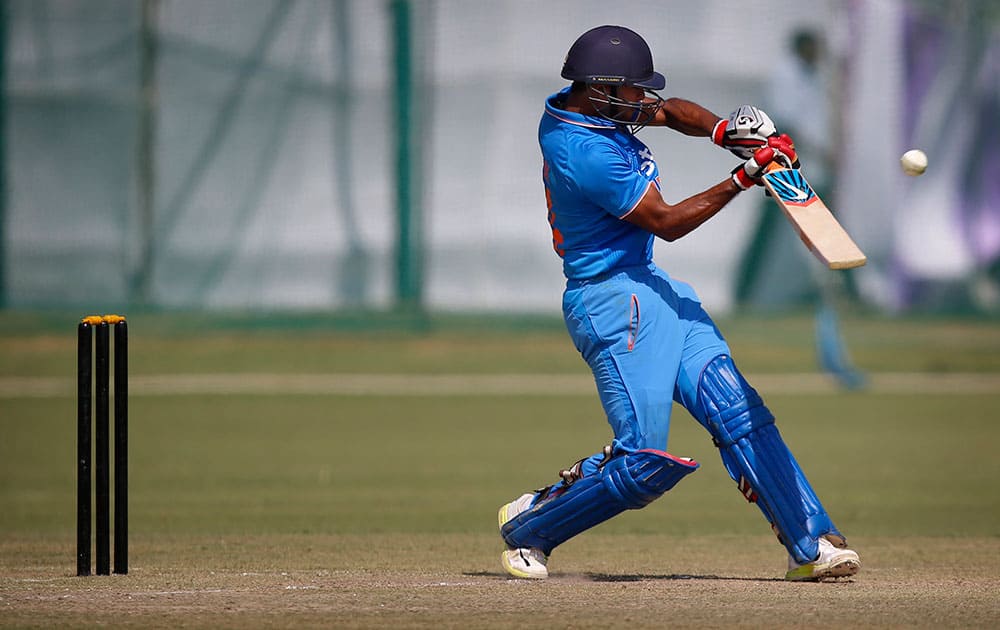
790 186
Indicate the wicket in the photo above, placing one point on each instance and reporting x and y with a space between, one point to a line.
87 365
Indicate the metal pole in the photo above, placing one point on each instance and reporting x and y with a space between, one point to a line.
3 153
409 270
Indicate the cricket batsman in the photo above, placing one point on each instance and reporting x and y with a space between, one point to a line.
644 335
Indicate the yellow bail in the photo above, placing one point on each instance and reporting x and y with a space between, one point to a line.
94 320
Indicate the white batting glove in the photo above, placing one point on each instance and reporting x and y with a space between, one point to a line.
746 130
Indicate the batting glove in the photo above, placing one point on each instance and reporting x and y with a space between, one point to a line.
746 130
785 150
748 174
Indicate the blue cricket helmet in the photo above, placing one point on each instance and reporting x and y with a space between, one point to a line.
612 55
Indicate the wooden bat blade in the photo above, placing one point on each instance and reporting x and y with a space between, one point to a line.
813 221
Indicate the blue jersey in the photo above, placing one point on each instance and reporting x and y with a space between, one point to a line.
595 173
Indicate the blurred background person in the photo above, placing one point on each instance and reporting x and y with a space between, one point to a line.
800 97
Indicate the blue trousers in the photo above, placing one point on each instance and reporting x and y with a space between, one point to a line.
647 339
648 342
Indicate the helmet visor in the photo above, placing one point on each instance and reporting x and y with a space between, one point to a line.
656 81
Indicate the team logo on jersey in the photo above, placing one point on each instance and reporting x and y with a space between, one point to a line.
648 165
790 186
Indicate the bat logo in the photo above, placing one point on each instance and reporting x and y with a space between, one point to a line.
790 186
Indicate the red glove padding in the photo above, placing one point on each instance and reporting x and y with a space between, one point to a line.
785 149
748 174
780 150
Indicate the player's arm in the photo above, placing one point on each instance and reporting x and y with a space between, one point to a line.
671 222
746 130
686 117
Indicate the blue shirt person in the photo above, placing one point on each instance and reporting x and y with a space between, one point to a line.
646 337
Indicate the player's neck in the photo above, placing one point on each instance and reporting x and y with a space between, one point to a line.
578 102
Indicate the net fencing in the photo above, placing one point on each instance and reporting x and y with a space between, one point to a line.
244 154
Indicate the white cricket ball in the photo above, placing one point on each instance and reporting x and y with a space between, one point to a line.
914 162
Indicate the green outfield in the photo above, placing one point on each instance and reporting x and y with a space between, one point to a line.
310 471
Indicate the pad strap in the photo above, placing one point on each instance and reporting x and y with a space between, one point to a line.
625 482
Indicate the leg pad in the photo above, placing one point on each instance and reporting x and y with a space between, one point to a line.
625 482
756 457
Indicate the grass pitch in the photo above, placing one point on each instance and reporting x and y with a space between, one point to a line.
378 509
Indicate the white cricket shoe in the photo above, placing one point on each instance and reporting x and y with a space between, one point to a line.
521 562
525 563
833 562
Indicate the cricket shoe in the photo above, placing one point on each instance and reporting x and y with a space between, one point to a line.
521 562
833 562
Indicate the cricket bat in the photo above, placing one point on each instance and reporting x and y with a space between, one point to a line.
815 225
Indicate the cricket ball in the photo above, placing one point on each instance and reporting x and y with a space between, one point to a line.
914 162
